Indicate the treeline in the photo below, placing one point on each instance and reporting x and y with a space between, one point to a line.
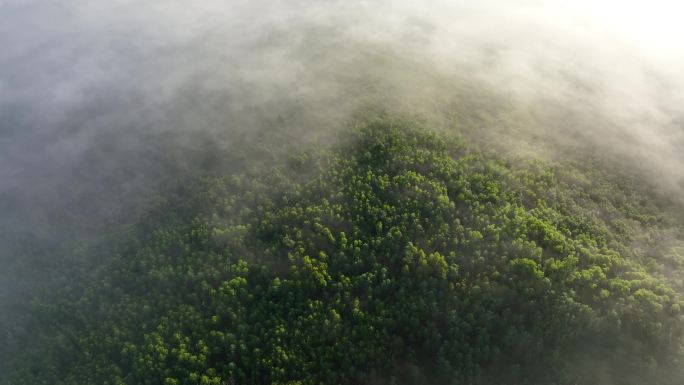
397 256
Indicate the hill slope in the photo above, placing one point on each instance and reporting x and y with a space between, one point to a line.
397 256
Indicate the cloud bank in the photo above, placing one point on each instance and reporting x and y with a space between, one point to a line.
86 87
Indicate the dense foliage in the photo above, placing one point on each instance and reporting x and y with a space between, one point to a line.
397 256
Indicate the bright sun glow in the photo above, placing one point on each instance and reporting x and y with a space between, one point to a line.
651 25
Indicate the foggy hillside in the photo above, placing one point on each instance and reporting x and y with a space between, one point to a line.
341 192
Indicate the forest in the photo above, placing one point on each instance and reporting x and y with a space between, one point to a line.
396 254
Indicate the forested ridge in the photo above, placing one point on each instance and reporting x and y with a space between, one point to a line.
397 255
